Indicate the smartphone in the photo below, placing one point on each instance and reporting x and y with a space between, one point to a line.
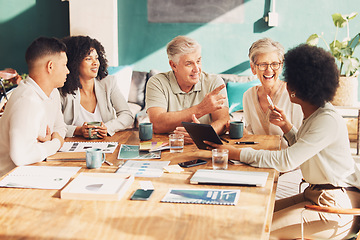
235 162
192 163
142 194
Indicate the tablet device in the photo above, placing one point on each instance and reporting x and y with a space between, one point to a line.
200 133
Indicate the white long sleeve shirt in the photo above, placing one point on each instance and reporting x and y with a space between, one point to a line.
321 148
27 114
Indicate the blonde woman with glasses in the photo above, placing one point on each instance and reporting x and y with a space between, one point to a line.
266 62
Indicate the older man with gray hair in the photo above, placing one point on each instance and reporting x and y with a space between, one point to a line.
186 93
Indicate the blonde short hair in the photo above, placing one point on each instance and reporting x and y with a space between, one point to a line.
181 45
265 45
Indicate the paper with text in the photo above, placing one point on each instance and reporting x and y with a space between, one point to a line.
107 147
143 168
42 177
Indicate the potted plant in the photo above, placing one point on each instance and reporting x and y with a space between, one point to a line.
343 51
9 79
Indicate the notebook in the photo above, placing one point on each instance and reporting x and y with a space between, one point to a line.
200 133
227 177
133 152
202 196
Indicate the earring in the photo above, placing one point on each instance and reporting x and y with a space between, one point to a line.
292 94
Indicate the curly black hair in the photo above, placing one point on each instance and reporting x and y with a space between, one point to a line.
312 73
78 47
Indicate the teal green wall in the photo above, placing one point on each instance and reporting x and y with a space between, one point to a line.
142 44
21 21
225 46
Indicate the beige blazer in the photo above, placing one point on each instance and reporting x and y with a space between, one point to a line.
113 107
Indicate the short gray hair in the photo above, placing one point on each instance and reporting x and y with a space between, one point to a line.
265 45
181 45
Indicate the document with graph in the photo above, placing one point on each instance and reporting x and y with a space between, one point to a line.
202 196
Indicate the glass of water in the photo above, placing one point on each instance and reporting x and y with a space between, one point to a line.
220 159
176 142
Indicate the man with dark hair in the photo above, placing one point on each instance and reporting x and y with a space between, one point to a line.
32 126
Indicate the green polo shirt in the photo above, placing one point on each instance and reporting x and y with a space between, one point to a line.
162 90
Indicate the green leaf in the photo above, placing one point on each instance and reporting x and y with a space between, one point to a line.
346 52
345 43
339 20
355 41
350 65
313 40
336 48
351 15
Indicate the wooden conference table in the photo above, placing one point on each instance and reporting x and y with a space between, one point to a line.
42 214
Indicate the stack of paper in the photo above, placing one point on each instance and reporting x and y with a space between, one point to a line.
173 169
143 168
43 177
106 147
98 186
154 146
75 151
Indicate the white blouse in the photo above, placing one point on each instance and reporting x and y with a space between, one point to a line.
86 116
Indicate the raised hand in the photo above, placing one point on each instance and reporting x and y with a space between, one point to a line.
213 101
278 118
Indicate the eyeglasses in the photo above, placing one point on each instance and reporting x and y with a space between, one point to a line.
274 66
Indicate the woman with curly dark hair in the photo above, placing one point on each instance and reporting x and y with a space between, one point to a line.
89 95
320 147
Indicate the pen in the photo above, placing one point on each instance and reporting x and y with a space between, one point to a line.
109 163
270 102
224 140
246 142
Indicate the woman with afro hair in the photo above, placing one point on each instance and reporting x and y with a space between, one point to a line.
320 147
90 95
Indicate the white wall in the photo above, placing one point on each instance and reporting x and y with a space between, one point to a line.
97 19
